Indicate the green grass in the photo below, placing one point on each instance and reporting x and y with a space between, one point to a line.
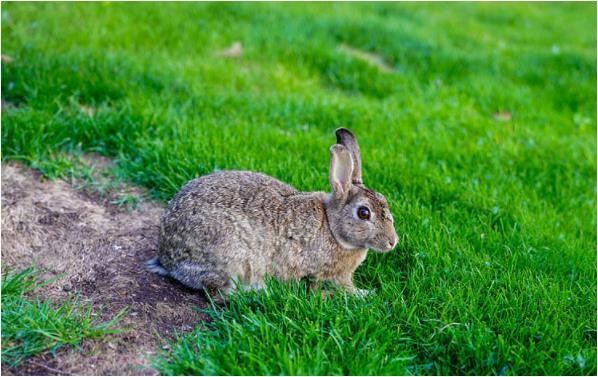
31 326
496 271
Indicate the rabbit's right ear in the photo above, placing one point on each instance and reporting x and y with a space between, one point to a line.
346 138
341 171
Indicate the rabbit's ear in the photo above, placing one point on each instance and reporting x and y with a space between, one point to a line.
341 170
346 138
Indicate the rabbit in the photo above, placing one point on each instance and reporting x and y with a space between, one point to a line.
233 228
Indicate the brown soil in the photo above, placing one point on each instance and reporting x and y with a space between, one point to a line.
101 249
371 58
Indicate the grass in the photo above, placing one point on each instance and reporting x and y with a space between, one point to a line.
482 138
31 326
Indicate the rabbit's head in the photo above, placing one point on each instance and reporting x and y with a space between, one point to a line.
359 217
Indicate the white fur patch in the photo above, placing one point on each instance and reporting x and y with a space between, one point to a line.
154 266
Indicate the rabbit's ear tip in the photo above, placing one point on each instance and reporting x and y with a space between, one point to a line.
342 130
343 136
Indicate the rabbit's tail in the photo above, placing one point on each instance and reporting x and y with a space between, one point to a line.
154 265
192 275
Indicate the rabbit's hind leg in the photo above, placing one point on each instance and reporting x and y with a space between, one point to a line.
199 276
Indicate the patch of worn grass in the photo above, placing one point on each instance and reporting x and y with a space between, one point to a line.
31 326
74 167
496 271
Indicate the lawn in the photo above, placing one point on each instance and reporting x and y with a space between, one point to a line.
476 121
31 326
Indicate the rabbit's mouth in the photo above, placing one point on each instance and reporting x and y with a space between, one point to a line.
384 246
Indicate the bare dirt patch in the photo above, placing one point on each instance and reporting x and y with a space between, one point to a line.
6 58
371 58
101 250
234 51
6 106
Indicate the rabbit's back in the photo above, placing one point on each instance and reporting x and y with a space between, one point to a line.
218 219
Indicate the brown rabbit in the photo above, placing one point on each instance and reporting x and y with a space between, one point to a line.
232 227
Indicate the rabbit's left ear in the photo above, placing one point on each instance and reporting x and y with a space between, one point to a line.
347 139
341 170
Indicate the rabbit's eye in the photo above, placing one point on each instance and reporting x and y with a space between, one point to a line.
363 213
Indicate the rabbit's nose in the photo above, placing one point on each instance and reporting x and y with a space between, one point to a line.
392 243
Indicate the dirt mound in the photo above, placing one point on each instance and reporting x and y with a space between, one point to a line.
101 250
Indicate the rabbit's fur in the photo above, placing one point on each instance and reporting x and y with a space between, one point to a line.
232 227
